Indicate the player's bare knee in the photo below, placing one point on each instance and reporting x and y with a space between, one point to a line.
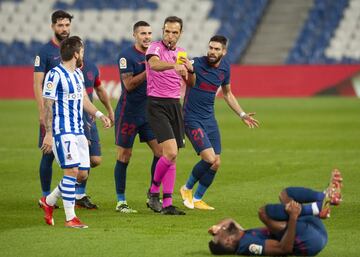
124 155
283 197
82 176
95 161
216 164
171 156
262 213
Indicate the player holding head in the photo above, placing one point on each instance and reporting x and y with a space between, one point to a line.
64 99
92 82
206 75
48 58
130 111
164 78
292 227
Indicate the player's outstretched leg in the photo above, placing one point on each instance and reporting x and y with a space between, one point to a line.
204 183
197 172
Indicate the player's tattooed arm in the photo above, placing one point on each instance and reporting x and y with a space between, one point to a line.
48 117
48 103
131 82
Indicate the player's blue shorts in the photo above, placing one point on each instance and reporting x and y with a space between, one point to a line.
203 135
127 127
311 236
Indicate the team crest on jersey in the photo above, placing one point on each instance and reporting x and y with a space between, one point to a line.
69 157
123 63
37 61
49 86
255 249
78 87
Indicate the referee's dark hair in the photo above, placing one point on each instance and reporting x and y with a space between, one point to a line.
59 15
69 47
140 24
173 19
220 39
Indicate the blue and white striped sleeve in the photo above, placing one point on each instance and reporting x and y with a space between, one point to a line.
51 82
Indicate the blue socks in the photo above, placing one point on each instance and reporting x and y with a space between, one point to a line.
45 171
120 179
204 183
304 195
198 171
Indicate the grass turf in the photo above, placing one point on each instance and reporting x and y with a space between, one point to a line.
299 142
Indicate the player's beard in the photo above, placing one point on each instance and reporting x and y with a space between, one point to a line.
61 37
213 61
79 63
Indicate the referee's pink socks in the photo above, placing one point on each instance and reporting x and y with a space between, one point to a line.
162 167
168 182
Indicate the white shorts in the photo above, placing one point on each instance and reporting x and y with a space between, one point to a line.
71 151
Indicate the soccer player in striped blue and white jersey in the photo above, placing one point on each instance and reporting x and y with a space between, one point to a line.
47 58
64 100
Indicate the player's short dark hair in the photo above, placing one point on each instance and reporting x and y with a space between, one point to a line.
59 15
140 24
173 19
220 39
69 47
219 249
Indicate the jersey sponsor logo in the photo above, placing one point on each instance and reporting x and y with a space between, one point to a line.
122 63
256 249
37 61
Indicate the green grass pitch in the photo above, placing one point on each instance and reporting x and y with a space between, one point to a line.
300 141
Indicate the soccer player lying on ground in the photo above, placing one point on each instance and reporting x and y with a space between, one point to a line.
206 75
292 227
64 99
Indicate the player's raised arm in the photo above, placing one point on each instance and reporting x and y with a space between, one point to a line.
235 106
90 108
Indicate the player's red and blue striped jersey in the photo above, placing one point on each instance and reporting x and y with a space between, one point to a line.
66 88
199 99
47 58
132 103
91 77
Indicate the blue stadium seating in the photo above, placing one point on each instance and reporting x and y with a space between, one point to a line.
317 32
238 21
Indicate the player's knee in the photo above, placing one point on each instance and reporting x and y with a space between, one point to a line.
284 197
82 175
95 161
262 213
124 155
171 155
216 164
158 152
